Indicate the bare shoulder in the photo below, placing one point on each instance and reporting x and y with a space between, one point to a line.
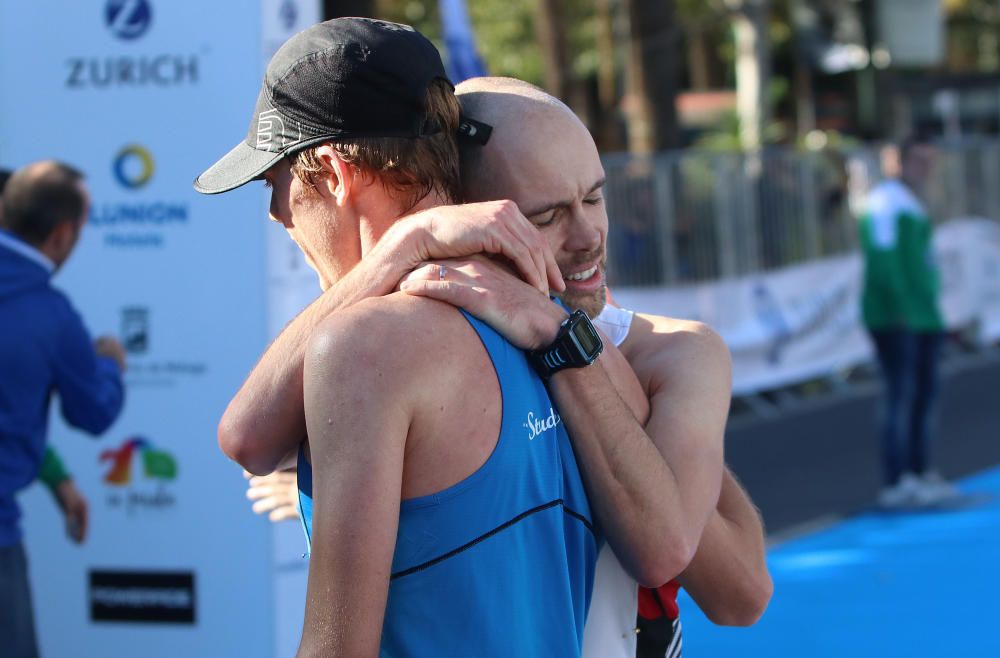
657 333
398 331
661 348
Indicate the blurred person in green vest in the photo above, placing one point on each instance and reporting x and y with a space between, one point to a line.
900 310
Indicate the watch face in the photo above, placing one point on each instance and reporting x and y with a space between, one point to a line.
587 338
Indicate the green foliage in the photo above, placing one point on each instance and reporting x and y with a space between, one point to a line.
505 33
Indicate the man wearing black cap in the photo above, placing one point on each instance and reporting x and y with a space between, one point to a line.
390 378
491 550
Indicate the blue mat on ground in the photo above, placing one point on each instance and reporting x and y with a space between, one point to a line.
878 585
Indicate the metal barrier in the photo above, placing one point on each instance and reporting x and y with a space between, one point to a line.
690 216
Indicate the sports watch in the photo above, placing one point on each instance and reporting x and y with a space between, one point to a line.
576 345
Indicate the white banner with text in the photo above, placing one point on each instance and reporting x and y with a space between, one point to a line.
143 95
803 322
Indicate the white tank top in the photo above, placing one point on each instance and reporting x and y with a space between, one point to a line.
610 628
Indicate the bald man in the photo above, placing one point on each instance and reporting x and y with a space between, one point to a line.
45 348
681 367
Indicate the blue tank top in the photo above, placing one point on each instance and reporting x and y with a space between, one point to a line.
502 563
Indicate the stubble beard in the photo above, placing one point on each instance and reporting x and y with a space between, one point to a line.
592 303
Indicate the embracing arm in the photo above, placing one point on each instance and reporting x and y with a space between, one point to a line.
652 487
264 421
357 416
728 577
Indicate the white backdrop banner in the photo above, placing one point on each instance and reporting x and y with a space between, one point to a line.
792 324
802 322
970 252
142 95
781 327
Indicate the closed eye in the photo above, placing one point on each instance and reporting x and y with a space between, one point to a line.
544 220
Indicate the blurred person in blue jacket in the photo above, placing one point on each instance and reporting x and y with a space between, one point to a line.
45 349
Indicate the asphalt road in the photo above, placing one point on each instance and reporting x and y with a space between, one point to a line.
818 460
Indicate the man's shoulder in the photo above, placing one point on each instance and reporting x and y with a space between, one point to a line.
43 301
398 313
658 331
402 329
662 344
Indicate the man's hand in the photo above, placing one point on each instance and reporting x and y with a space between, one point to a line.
489 291
74 507
275 494
111 347
493 227
264 421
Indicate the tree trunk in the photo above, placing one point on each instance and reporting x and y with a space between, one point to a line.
652 76
550 31
697 55
805 99
753 67
606 126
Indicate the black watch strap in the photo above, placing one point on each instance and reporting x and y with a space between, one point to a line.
576 345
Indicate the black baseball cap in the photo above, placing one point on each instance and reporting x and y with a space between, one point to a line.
346 77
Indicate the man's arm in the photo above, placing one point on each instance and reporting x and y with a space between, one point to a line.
728 577
57 480
264 422
652 487
357 415
88 376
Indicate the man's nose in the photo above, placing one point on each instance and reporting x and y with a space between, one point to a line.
584 234
274 211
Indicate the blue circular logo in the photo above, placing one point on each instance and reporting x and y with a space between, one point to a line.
128 19
133 166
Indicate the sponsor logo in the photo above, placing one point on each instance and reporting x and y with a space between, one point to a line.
135 329
136 223
145 372
156 464
269 125
128 19
802 315
133 166
772 319
537 426
142 596
146 491
272 134
161 70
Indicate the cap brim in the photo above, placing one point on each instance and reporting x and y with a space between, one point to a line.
238 167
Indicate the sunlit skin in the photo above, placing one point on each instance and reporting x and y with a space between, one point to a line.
560 190
323 238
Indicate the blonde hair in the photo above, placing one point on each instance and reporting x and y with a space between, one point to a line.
415 167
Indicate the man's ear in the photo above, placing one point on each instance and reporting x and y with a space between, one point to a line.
61 241
337 180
